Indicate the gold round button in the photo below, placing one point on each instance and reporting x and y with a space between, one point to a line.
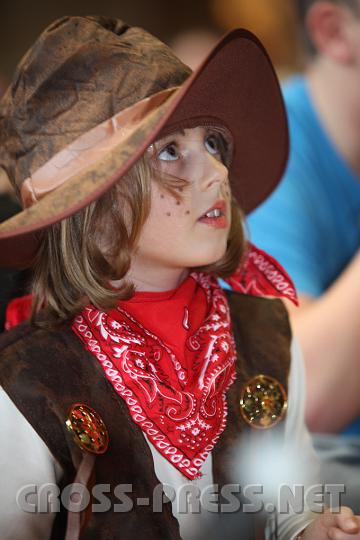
263 402
88 429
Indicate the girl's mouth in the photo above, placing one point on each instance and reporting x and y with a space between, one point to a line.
215 216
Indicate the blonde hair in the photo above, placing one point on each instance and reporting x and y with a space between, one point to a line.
80 255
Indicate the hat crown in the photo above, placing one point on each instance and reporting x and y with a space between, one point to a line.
79 72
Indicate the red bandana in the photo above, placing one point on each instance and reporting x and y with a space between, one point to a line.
172 368
261 275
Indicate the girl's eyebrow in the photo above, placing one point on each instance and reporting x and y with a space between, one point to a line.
167 138
180 131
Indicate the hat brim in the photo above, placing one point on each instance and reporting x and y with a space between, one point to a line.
236 86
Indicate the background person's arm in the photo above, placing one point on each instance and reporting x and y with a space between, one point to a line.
328 329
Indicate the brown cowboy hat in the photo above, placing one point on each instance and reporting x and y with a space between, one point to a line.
93 93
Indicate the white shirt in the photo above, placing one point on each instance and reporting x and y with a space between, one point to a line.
25 459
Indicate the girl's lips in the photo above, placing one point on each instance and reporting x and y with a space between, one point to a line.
219 205
220 222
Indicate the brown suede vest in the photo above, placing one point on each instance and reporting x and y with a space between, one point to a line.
46 371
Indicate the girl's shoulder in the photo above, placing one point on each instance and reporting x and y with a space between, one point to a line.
29 352
262 335
26 336
258 312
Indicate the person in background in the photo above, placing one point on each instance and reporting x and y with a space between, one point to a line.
311 223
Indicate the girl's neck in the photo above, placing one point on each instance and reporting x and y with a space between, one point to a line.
156 279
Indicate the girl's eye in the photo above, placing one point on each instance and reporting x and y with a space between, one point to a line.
213 143
169 153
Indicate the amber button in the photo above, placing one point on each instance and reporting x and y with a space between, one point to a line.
263 402
87 429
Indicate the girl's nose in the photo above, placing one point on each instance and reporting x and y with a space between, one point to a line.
215 172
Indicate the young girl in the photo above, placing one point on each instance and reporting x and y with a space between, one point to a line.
136 367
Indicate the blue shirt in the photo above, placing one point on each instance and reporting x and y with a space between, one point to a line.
311 223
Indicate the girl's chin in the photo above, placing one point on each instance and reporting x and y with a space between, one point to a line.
207 261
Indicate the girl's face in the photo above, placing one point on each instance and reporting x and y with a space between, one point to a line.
191 231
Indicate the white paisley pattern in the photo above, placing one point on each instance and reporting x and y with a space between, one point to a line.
182 411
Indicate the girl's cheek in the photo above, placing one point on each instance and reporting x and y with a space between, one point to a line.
172 207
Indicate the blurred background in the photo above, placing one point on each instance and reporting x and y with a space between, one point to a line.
191 26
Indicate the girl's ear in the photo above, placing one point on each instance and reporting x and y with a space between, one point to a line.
329 26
